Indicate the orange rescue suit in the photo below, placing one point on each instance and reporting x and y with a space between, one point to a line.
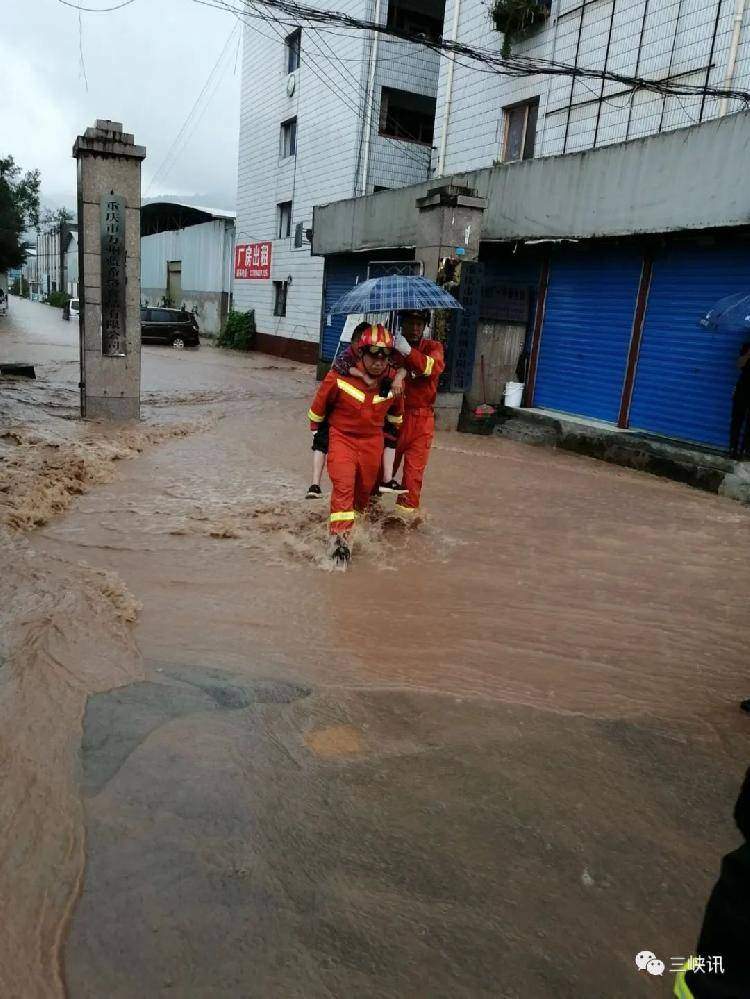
424 366
355 413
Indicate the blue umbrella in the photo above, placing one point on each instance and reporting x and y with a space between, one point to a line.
395 293
729 315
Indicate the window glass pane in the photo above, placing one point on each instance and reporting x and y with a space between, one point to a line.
288 138
285 219
515 134
279 298
293 50
530 141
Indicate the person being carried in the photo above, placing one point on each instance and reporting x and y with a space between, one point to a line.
423 361
355 411
392 380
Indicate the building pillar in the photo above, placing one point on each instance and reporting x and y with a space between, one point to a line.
449 224
109 249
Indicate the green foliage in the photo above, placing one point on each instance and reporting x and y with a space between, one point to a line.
20 287
54 218
59 299
19 211
517 18
238 332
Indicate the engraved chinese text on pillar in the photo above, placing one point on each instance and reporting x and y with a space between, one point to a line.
113 274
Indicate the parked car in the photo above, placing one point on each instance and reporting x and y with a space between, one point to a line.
71 309
3 303
173 326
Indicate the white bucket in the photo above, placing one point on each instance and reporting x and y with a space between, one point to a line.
513 394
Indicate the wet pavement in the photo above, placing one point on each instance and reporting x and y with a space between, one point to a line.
497 757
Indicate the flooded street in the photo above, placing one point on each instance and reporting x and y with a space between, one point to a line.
497 757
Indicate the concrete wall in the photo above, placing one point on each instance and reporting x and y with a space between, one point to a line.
210 307
693 178
651 39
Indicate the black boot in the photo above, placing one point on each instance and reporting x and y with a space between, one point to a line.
341 552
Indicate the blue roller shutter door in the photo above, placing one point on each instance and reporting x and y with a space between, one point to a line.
588 322
685 374
341 274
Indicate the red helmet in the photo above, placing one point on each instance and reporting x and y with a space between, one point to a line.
376 336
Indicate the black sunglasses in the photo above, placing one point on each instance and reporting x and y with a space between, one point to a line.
378 352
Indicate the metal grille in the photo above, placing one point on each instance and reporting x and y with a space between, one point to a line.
462 330
384 268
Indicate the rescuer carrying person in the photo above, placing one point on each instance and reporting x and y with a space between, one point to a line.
424 362
355 411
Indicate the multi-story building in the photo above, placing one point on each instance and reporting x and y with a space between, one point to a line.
324 116
603 219
57 258
484 118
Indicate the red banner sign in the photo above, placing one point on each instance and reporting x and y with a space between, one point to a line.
252 261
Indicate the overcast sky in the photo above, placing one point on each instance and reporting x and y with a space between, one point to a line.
145 65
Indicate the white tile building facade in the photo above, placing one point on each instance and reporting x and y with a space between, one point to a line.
689 41
335 95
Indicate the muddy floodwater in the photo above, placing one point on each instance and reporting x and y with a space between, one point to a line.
497 757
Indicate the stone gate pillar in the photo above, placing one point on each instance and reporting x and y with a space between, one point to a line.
449 225
109 263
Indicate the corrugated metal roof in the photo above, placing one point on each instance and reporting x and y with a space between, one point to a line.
217 213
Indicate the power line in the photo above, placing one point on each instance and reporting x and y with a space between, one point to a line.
292 12
80 51
96 10
163 168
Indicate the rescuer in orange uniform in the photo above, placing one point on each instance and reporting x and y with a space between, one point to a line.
424 361
355 412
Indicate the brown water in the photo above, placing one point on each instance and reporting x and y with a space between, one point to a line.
538 583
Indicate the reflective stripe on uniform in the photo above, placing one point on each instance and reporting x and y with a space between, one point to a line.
314 417
337 518
406 509
355 393
382 398
429 364
681 988
398 420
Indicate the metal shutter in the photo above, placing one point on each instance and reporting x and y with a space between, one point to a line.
685 374
588 321
341 274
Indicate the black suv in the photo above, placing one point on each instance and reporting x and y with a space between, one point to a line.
173 326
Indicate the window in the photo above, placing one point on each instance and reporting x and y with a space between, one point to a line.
293 44
520 130
407 116
279 298
288 138
403 16
299 235
379 187
285 219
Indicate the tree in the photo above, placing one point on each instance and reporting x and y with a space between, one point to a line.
53 219
19 211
